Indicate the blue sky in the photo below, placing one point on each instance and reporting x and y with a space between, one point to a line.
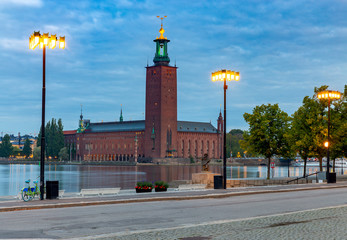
282 49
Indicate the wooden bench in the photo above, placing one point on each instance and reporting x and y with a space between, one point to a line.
192 187
99 191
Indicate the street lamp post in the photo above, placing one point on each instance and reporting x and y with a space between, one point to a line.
44 40
330 96
225 75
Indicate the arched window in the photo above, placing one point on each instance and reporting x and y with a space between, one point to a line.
182 148
202 148
213 148
189 147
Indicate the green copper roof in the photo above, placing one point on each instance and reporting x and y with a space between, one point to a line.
182 126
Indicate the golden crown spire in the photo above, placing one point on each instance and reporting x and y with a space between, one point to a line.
161 30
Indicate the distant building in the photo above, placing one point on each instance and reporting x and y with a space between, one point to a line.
19 141
160 135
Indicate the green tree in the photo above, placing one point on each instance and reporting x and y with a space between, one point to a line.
319 125
6 148
267 134
307 129
63 154
27 148
37 153
54 138
233 142
338 127
16 151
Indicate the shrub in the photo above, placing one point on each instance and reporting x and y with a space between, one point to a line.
144 185
161 184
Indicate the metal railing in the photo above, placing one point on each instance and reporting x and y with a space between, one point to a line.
306 176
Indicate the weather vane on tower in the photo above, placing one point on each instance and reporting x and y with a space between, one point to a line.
161 29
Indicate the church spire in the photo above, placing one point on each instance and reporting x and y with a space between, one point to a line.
81 116
81 127
121 114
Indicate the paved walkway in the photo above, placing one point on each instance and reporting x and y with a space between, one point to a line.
325 223
129 196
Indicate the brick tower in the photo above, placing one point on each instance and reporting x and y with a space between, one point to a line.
161 103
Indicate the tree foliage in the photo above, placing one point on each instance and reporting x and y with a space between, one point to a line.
307 130
16 152
339 127
232 142
63 154
37 153
310 127
6 148
267 135
272 132
27 148
54 138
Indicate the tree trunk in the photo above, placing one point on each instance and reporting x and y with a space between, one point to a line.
305 161
268 168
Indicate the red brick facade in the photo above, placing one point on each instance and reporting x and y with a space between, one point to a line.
120 146
161 111
159 136
109 146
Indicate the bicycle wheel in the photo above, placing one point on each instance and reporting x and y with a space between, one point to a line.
25 196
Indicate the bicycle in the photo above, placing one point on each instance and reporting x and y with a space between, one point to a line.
28 193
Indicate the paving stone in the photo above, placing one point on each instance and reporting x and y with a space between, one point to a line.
328 223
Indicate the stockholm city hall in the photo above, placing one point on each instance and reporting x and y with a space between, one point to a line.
160 135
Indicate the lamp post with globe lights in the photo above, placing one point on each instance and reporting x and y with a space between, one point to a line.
43 40
330 96
224 76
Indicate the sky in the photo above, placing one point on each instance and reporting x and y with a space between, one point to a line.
282 49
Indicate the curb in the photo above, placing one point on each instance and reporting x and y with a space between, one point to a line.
155 199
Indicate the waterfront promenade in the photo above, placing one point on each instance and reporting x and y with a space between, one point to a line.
304 211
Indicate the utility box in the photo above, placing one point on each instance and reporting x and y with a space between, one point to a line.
331 177
52 189
218 182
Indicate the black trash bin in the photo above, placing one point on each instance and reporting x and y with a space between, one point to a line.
52 189
218 182
331 177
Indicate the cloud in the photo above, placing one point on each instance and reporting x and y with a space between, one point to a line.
29 3
14 44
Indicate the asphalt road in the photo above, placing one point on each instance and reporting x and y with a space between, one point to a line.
106 219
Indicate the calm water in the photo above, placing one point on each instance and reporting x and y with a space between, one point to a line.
72 178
